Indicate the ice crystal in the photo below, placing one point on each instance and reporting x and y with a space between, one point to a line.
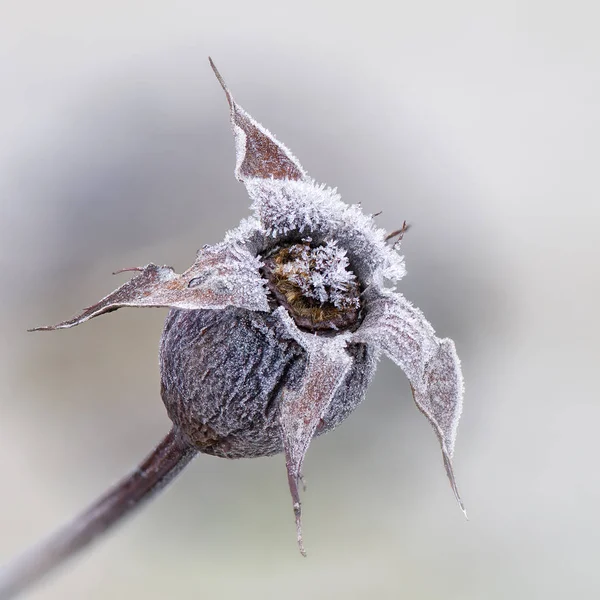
322 273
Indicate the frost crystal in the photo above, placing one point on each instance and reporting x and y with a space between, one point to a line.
322 273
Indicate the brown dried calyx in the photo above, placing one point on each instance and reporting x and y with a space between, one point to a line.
315 284
242 372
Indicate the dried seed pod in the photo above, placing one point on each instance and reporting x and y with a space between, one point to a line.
273 336
224 376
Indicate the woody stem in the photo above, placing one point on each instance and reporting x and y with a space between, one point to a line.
153 474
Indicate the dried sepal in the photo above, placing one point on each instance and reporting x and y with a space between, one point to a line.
287 201
302 410
258 153
221 276
401 331
439 398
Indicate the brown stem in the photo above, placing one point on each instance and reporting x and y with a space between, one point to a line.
157 470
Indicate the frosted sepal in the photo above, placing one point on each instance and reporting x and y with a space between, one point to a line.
221 276
431 364
286 200
258 153
303 409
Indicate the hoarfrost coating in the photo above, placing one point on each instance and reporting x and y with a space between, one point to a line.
308 283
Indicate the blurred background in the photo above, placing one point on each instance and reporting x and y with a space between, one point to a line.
476 122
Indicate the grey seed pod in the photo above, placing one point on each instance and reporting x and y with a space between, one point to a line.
224 374
272 338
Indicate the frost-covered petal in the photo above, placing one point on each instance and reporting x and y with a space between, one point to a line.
431 364
301 410
258 153
221 276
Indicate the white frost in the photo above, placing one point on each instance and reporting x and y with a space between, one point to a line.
284 207
323 273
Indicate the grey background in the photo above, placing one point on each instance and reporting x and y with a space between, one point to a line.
477 122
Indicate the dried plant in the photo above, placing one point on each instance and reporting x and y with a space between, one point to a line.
273 337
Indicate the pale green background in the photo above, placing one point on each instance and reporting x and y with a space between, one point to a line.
478 122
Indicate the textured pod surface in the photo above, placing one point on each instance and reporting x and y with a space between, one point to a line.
224 374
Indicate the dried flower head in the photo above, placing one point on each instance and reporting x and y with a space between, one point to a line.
276 331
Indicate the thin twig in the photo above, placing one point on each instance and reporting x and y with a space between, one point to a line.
157 470
399 233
